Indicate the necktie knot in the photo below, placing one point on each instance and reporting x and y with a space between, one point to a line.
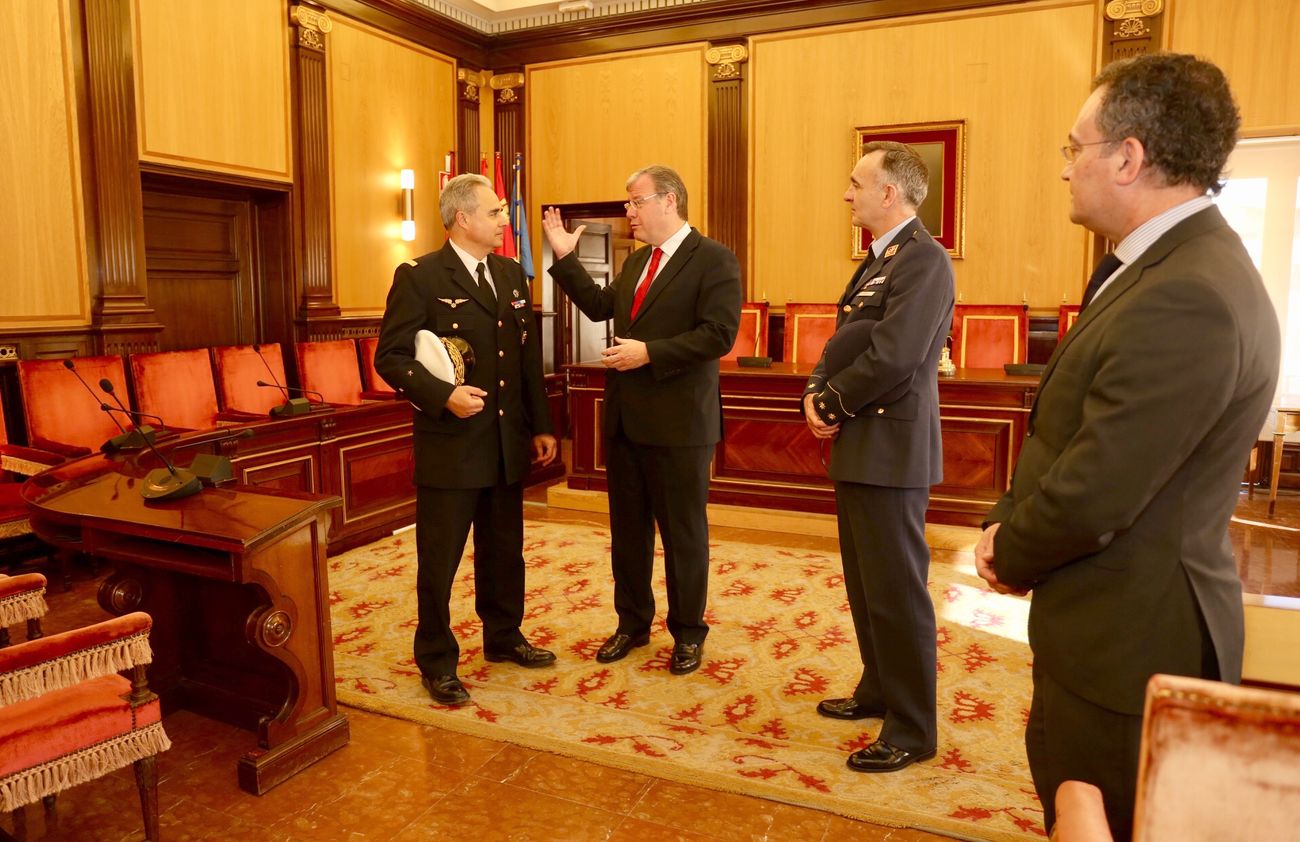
1109 263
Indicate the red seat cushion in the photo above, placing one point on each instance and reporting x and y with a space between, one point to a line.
50 726
239 368
177 387
60 410
330 368
11 503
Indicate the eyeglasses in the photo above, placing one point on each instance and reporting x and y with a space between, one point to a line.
638 203
1070 152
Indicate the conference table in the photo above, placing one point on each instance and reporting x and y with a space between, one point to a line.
235 576
768 458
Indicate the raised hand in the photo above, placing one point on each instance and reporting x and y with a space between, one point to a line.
562 242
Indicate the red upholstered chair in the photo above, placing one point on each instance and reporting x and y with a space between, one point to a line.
239 367
1065 319
67 717
751 339
62 417
375 384
332 369
177 386
807 329
22 600
17 541
990 335
1217 762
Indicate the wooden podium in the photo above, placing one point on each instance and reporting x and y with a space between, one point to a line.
235 580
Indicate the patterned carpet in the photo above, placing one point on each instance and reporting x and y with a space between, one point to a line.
781 639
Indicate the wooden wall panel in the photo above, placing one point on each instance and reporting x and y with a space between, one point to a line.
593 122
1017 75
1257 43
212 85
42 244
392 106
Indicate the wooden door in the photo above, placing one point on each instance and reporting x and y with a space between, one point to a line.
199 264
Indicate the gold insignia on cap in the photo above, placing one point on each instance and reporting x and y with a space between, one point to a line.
891 251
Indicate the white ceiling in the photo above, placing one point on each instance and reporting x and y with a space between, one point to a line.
494 16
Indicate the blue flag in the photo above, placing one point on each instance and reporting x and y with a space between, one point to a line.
519 221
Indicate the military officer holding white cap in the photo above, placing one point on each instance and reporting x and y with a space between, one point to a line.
472 439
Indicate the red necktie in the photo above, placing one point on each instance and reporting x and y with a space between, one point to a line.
649 279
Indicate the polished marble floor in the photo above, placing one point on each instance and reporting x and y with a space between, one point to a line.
401 781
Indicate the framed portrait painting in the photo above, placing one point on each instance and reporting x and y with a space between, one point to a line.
943 148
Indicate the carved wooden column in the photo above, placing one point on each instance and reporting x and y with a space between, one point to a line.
728 220
468 152
1133 28
508 123
121 316
311 167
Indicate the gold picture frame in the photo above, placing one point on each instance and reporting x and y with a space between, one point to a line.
942 146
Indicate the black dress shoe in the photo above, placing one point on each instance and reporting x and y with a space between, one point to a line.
619 644
848 709
880 756
524 654
445 689
686 658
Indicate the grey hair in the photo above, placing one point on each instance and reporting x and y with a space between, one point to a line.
903 168
666 180
459 195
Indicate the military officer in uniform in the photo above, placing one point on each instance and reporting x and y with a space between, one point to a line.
472 440
879 404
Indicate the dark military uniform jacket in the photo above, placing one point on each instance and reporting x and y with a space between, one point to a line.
909 291
435 292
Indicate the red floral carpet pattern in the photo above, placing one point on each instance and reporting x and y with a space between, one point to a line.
781 640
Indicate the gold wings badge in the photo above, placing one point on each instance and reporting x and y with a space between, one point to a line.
453 303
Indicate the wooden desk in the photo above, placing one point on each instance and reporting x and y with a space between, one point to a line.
768 458
236 583
1288 421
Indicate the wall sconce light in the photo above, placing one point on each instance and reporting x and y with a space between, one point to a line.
408 205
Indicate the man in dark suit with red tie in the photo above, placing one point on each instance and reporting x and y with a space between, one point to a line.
472 441
676 310
875 393
1117 515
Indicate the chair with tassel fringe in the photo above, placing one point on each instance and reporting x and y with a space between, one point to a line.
67 717
22 600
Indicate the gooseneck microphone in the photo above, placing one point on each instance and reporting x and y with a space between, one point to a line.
291 406
128 439
287 389
106 386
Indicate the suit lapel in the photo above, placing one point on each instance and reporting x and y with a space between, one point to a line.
505 292
1195 225
900 241
668 271
460 275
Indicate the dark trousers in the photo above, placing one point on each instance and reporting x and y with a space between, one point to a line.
443 518
1069 738
886 563
668 486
